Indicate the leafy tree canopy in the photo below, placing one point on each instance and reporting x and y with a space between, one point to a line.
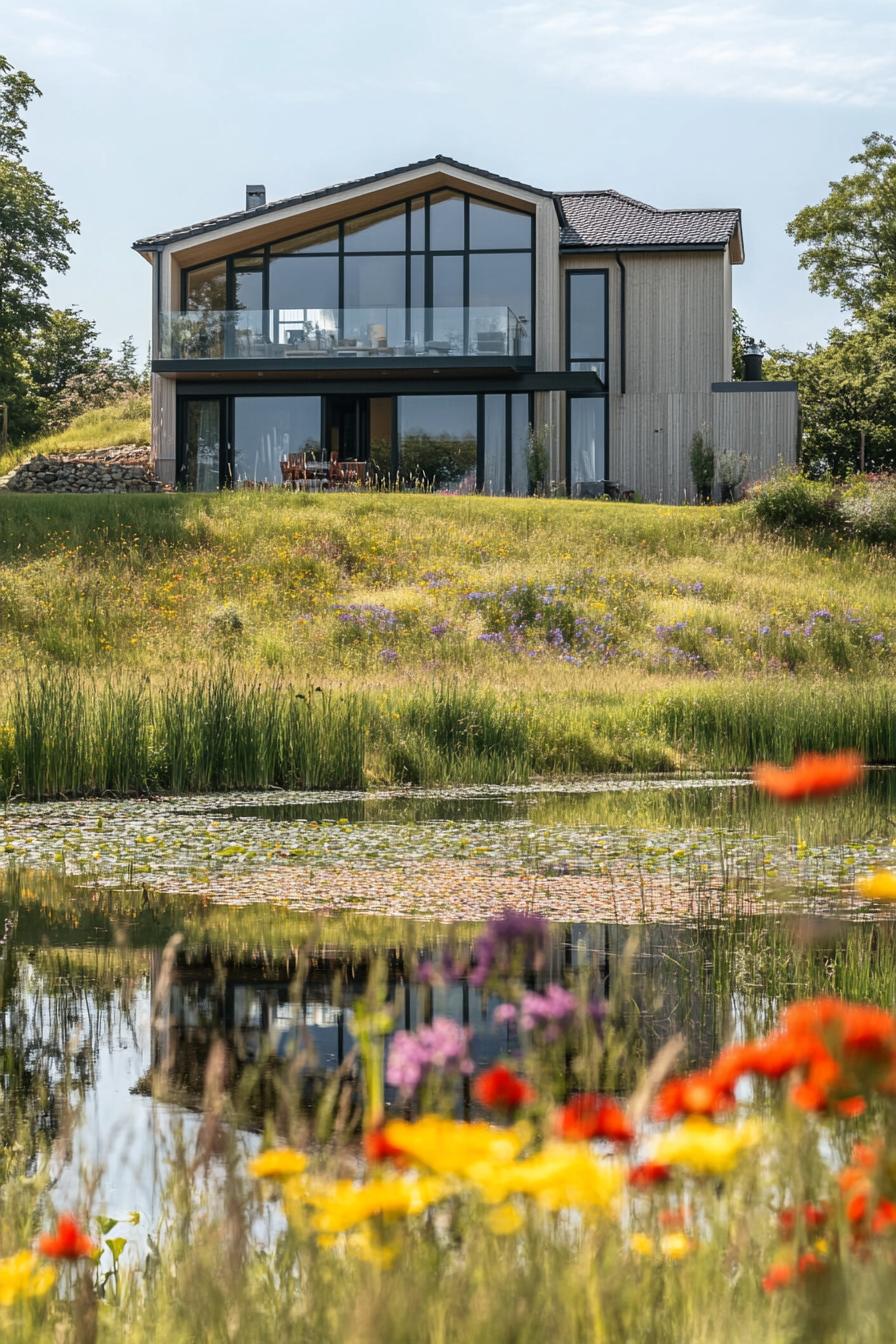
848 240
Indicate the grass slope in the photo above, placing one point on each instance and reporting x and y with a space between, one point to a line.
123 422
616 636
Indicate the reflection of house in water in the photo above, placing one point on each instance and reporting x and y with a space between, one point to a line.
298 1011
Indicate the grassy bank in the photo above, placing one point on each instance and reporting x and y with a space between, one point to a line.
66 735
126 421
566 636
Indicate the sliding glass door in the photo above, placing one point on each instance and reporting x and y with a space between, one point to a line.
202 459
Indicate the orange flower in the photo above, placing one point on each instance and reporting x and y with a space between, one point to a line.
501 1089
591 1116
778 1276
811 776
649 1173
695 1094
68 1242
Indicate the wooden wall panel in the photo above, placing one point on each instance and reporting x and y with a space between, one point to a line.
163 393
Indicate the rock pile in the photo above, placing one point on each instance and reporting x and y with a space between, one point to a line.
107 471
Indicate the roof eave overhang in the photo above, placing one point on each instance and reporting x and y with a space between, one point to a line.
583 249
421 176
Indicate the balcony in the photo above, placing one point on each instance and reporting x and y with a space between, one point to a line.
329 336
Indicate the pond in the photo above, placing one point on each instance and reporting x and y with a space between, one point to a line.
139 933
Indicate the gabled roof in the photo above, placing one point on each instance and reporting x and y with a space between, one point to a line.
589 220
608 220
157 240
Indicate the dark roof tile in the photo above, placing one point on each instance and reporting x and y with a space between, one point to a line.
607 219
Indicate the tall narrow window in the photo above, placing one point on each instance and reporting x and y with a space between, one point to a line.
586 322
587 442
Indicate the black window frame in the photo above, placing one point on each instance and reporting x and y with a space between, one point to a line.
408 251
227 478
585 396
604 359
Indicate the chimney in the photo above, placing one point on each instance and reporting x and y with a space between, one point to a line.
752 362
255 196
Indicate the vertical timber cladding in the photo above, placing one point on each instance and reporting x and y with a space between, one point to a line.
677 345
546 345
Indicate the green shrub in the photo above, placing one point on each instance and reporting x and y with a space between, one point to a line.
868 508
790 501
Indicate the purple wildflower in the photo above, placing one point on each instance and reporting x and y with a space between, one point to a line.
550 1011
439 629
511 937
413 1054
505 1014
877 639
388 655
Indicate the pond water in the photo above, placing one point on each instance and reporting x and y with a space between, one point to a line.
692 906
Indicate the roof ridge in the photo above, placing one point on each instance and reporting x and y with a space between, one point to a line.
611 191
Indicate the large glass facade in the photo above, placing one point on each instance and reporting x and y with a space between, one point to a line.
441 274
458 442
437 442
267 429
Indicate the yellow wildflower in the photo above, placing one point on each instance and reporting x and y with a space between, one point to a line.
675 1245
705 1148
278 1164
24 1275
340 1205
561 1176
451 1147
879 885
505 1220
641 1244
364 1245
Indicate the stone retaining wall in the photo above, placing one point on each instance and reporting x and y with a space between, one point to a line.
123 470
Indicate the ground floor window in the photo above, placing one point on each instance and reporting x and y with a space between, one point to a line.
459 442
586 436
267 429
437 442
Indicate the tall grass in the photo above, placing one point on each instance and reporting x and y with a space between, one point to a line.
67 736
773 721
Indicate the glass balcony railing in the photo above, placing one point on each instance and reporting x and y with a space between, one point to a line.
347 333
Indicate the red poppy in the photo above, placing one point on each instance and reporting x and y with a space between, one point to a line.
68 1242
778 1276
884 1216
809 1263
377 1148
501 1089
815 1215
649 1173
811 776
590 1116
695 1094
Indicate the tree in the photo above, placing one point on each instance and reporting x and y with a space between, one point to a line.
847 391
738 342
65 346
34 240
849 238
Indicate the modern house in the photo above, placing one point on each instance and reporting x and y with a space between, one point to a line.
416 323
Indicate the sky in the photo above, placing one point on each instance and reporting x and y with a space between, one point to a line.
155 116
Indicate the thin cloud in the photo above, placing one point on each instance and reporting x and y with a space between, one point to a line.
756 51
